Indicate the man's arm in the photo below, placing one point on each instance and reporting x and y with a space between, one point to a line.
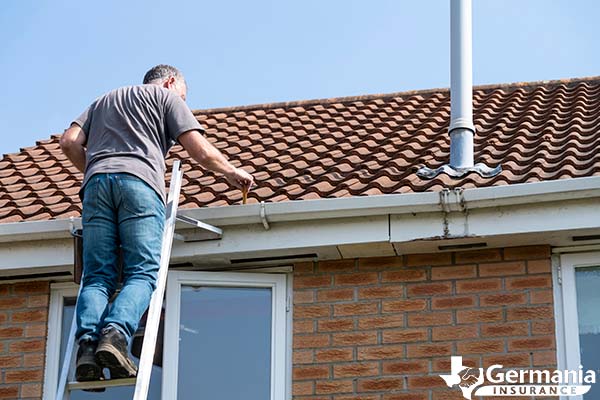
72 143
211 158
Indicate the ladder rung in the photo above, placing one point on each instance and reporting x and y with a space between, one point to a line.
108 383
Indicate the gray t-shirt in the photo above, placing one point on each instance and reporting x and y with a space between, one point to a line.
131 129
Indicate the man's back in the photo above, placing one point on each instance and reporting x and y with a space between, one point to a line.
131 129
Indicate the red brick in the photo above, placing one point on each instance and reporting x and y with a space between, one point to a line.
355 369
333 355
404 275
303 388
427 259
354 338
311 311
429 289
479 285
336 266
530 282
304 296
543 296
330 295
404 335
505 329
28 375
3 317
412 395
539 266
454 332
308 282
337 386
336 325
310 341
425 382
36 330
307 326
477 256
534 312
480 347
377 263
428 350
29 288
452 394
543 358
380 352
11 303
535 343
475 316
304 268
502 268
542 327
302 357
502 299
31 390
454 272
9 392
380 292
385 321
10 361
526 252
405 367
357 279
510 360
11 332
5 290
356 397
311 372
355 309
442 364
403 305
41 300
30 316
33 360
430 318
27 346
440 303
380 384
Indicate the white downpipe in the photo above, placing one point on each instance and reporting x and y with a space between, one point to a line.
461 84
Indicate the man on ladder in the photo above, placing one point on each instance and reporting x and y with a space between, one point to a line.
119 143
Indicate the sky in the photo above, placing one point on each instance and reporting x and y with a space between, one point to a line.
57 56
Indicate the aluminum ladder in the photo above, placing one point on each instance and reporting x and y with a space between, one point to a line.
142 380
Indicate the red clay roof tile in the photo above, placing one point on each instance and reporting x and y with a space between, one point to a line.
354 146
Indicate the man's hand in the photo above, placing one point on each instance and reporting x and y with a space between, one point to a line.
240 179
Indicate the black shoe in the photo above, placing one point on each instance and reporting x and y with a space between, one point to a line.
112 354
86 367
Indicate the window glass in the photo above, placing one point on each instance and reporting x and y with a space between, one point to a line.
125 392
225 343
587 281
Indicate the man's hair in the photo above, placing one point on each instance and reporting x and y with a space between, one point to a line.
161 72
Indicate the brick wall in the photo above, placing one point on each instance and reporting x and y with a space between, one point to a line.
384 328
23 329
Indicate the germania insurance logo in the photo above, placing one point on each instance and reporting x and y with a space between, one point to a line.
517 382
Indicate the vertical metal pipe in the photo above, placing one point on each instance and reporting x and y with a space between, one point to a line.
461 128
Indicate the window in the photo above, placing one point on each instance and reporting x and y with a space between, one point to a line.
227 336
577 307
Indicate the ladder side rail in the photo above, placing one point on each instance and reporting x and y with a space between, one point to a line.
155 308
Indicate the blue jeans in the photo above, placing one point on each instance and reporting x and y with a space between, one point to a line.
119 211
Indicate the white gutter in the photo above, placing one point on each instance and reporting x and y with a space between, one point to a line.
314 210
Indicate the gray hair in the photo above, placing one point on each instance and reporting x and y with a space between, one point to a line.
161 72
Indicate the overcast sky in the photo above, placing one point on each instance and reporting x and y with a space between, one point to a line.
57 56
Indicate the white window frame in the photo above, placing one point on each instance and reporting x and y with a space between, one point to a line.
279 324
567 322
58 293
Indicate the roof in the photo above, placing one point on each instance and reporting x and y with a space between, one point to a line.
351 146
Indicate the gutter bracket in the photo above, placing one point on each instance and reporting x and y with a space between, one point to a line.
263 216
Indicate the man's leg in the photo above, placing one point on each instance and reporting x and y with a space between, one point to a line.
141 222
100 270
